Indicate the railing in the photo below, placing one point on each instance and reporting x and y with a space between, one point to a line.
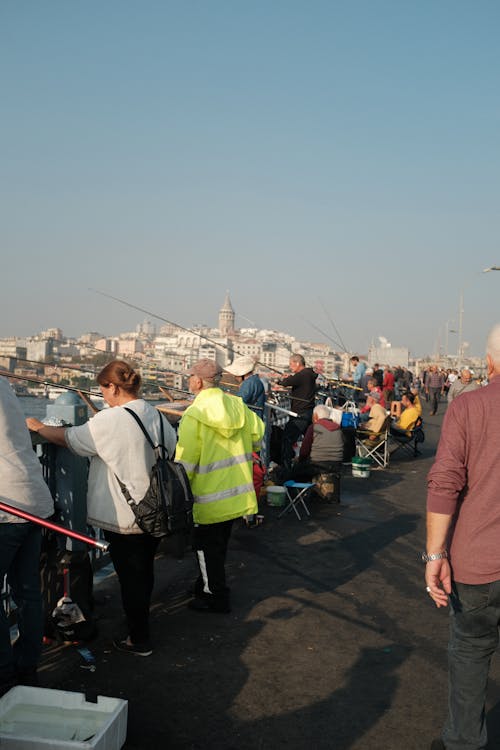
48 456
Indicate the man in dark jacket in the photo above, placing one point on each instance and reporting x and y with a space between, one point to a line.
303 392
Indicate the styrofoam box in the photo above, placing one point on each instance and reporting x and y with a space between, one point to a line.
38 718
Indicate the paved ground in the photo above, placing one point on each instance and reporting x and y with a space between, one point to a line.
332 642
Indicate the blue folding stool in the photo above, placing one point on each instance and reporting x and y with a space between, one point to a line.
295 498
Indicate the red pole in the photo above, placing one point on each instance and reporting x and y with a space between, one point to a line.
55 527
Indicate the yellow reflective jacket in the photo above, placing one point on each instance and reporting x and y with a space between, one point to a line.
217 435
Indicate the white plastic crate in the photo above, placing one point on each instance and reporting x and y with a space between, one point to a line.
42 719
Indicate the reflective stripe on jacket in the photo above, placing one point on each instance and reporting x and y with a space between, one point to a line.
217 435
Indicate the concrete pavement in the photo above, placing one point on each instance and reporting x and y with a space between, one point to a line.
332 642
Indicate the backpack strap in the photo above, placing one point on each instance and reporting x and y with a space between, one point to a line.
128 496
146 434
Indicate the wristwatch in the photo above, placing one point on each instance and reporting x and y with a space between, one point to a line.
435 556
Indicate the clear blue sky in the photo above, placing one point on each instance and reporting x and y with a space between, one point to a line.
303 155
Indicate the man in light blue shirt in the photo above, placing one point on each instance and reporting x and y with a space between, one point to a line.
358 375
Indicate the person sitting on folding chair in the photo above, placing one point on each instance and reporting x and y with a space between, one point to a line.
377 416
321 451
408 418
397 407
372 388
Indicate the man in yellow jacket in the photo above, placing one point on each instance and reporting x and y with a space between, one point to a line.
217 435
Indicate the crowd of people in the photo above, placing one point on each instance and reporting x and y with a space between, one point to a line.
217 440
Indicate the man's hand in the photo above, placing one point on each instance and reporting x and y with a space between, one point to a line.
438 580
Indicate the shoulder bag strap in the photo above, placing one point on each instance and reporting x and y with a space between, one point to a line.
146 434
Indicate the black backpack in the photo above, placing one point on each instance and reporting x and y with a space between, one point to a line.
167 506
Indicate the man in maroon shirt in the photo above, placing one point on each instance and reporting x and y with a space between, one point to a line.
463 549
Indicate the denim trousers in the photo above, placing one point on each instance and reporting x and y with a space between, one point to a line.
434 395
20 561
474 622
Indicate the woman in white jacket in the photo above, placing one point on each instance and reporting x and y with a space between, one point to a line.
118 449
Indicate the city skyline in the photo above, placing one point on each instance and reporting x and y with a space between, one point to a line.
324 162
443 345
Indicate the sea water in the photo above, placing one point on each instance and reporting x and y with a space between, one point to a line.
34 407
52 722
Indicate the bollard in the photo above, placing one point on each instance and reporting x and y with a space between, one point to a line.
62 555
71 471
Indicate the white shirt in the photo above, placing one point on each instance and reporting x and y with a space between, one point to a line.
21 480
116 445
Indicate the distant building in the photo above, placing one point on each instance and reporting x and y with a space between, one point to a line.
129 347
388 355
13 347
55 334
39 350
226 317
146 328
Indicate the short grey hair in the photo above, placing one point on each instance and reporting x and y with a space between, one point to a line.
493 344
298 359
211 382
322 411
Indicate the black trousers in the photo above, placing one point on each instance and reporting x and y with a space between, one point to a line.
133 558
210 543
294 428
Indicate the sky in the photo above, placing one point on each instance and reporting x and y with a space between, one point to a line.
334 165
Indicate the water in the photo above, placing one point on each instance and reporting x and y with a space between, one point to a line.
34 407
37 407
52 722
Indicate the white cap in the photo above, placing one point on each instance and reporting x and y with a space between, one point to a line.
241 366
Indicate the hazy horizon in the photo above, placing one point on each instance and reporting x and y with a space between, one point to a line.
322 162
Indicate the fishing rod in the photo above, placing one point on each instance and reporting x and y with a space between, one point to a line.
54 527
47 383
159 370
177 325
55 365
334 326
323 333
93 368
182 328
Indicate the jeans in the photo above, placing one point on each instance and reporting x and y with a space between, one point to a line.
20 561
294 428
474 622
434 394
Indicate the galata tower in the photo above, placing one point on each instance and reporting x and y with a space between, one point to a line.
226 317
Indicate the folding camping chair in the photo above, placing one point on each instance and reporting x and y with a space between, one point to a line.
409 442
294 498
374 445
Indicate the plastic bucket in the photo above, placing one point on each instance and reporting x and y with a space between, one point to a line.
361 467
276 496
